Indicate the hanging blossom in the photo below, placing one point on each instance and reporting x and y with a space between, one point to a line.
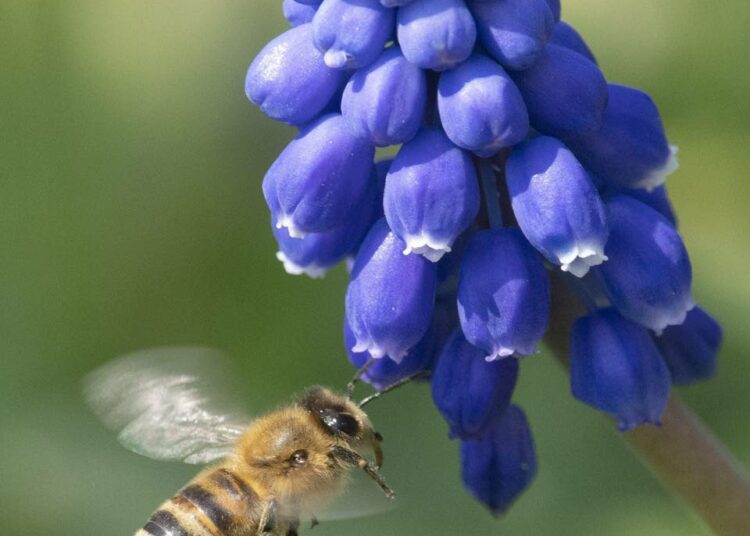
516 159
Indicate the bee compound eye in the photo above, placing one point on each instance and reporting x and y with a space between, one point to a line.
299 457
339 421
347 424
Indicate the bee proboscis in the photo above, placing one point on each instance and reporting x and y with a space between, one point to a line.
266 473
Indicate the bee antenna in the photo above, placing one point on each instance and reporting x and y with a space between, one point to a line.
403 381
357 376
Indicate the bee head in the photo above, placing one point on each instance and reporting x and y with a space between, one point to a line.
338 415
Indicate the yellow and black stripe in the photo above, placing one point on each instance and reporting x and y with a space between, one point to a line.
216 503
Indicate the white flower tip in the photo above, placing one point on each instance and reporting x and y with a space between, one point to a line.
349 263
581 258
377 351
313 270
336 59
658 176
674 317
423 244
285 221
500 353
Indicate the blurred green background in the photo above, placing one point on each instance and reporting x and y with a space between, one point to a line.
132 217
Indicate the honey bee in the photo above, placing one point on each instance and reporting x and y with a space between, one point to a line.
267 473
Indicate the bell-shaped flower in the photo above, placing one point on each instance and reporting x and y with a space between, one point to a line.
480 107
556 9
318 181
352 33
514 32
556 205
385 102
630 150
310 2
499 467
289 81
657 199
317 253
431 194
395 3
566 36
503 294
565 93
690 349
469 391
384 372
390 297
616 367
436 34
648 274
297 13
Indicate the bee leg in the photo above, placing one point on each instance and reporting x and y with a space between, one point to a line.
267 518
313 522
354 458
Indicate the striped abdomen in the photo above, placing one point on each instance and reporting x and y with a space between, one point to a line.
216 503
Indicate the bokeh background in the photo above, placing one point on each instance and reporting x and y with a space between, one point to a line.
132 217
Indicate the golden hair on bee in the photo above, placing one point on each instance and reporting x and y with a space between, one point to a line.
268 473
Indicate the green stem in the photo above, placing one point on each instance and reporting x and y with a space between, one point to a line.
683 453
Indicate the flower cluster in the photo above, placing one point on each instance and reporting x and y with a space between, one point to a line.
516 159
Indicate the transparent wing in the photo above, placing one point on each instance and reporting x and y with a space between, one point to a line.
168 403
361 497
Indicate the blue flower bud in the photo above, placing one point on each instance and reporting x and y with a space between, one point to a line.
298 12
390 297
556 9
630 150
383 372
480 107
318 181
499 467
436 34
317 253
556 205
648 275
690 349
431 194
564 92
514 32
503 294
566 36
616 368
369 106
657 199
352 33
468 391
289 81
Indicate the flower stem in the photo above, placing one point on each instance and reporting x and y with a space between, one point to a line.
683 453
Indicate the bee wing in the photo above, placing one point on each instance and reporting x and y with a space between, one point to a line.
361 497
168 403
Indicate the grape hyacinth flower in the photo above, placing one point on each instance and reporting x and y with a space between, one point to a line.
469 391
431 194
497 468
616 367
556 205
690 349
516 162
